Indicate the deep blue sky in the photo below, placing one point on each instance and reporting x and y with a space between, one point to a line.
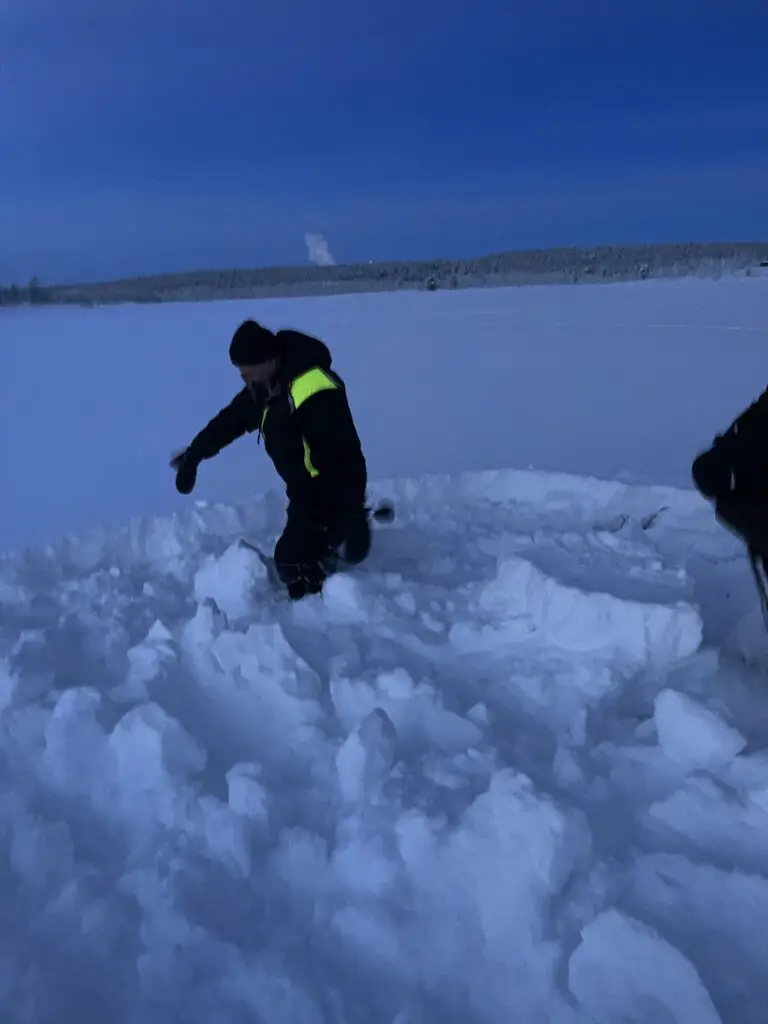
155 135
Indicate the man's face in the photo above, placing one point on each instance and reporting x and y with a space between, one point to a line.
262 373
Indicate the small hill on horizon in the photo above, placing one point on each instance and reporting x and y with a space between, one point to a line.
572 265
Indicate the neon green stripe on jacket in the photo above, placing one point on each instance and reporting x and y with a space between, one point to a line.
302 388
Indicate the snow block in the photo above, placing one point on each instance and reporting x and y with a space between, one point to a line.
222 834
522 604
229 581
696 900
513 850
146 659
152 751
247 795
264 692
366 757
692 735
163 542
262 655
343 599
624 971
74 757
717 818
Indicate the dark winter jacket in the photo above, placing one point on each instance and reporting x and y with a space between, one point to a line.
307 427
736 464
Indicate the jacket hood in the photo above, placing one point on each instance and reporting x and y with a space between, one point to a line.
300 352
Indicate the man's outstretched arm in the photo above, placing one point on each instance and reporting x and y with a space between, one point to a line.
241 416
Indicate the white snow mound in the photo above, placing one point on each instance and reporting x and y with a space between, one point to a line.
523 604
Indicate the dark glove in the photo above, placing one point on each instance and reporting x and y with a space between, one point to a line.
185 463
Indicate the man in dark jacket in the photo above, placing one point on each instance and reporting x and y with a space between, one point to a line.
298 405
733 474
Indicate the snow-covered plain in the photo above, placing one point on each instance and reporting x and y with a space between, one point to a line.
617 381
512 769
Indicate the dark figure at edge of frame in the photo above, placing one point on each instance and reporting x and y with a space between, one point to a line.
733 474
294 401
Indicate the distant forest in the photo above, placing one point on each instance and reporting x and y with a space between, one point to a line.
604 264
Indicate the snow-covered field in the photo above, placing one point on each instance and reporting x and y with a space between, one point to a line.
610 380
512 769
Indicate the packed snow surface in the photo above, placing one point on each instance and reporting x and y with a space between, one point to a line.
513 769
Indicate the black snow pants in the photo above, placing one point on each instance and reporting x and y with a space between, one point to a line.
312 547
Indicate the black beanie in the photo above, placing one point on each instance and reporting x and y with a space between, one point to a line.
252 344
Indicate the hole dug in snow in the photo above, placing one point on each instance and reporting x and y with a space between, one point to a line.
523 605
